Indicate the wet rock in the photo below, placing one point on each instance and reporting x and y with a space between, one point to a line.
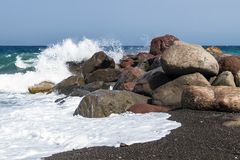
182 58
41 87
98 61
220 98
150 81
146 108
93 86
128 75
160 44
67 85
170 94
75 67
102 103
224 79
105 75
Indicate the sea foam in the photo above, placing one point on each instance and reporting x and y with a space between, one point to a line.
50 63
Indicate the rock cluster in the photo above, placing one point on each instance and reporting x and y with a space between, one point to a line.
173 75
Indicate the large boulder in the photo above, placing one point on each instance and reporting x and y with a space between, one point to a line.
220 98
41 87
67 85
130 74
150 81
146 108
105 75
182 58
170 94
103 103
224 79
160 44
98 61
230 63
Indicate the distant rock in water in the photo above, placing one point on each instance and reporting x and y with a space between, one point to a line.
102 103
182 58
41 87
160 44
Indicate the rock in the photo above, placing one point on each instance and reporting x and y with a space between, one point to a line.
93 86
130 74
128 62
230 63
182 58
150 81
216 52
232 123
146 108
105 75
75 67
98 61
237 79
123 145
224 79
220 98
67 85
142 56
41 87
102 103
155 62
77 92
170 94
128 86
160 44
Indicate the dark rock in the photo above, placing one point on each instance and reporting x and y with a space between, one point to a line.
170 94
150 81
67 85
160 44
77 92
146 108
182 58
123 145
155 62
130 74
105 75
224 79
102 103
220 98
93 86
98 61
75 67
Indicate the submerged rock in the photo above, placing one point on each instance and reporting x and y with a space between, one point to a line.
220 98
160 44
102 103
170 94
182 58
41 87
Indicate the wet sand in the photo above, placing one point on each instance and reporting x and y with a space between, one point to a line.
201 136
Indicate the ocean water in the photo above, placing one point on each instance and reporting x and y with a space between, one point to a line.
34 126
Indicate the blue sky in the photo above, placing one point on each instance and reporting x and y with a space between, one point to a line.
36 22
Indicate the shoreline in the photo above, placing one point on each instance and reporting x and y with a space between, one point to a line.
201 136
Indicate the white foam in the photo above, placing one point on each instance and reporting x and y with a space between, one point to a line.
33 126
50 64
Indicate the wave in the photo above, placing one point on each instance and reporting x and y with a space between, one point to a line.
50 63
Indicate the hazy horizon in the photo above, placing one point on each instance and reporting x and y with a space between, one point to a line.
132 22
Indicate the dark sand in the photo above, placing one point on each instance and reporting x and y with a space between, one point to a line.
202 136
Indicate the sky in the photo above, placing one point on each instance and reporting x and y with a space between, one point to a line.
132 22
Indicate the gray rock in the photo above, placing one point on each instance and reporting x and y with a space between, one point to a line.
224 79
93 86
102 103
182 58
170 94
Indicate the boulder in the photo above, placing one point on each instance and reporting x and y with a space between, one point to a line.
220 98
216 52
155 62
67 85
75 67
130 74
224 79
78 92
237 79
103 103
93 86
146 108
98 61
127 62
105 75
170 94
230 63
41 87
160 44
150 81
182 58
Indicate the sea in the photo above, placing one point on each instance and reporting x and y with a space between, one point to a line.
33 126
